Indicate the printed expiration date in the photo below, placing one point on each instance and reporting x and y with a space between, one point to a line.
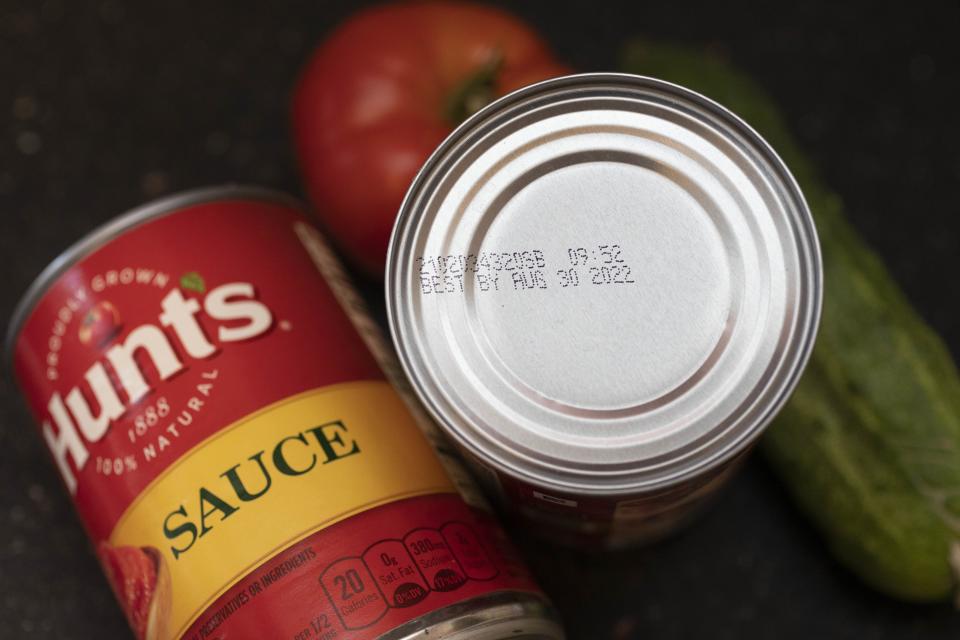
524 270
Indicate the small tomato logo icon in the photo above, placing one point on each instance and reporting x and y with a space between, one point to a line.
100 324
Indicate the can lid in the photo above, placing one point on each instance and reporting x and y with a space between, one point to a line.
604 283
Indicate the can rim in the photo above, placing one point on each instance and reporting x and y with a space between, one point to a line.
805 337
116 226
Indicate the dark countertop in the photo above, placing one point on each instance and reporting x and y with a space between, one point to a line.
107 104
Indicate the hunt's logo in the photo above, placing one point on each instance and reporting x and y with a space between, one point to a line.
85 413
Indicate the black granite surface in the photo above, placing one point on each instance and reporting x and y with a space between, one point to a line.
105 104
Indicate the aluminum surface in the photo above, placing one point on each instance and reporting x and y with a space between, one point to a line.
604 283
509 615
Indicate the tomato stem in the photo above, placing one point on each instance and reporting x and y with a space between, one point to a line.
476 92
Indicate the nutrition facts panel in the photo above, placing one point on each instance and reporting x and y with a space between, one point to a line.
369 574
404 572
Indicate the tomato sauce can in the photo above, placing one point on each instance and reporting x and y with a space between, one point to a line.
221 410
604 287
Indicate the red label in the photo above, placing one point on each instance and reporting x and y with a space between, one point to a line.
149 365
309 343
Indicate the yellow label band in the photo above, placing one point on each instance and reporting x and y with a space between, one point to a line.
271 479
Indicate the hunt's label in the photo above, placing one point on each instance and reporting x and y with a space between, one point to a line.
232 447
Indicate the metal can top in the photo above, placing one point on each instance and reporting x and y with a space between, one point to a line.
604 283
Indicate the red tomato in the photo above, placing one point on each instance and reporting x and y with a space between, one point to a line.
384 90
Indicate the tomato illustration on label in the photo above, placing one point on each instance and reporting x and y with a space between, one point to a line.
141 581
100 324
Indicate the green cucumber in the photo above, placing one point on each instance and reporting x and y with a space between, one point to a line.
869 445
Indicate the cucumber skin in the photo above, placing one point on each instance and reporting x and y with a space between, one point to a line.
869 444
